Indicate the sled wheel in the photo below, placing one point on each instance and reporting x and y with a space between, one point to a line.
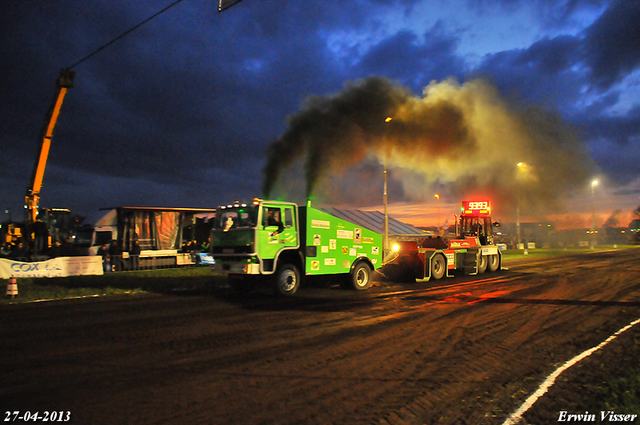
494 263
482 265
438 266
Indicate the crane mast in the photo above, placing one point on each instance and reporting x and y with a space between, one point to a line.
32 198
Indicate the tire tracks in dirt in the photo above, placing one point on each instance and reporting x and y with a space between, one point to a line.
465 350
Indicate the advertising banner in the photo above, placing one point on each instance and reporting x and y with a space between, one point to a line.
55 267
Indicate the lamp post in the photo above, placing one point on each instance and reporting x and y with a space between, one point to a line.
522 167
438 211
594 183
518 235
385 242
386 216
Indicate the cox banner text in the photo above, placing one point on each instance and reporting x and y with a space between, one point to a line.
56 267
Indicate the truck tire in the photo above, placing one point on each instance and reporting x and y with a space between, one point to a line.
494 263
286 280
438 266
361 276
482 264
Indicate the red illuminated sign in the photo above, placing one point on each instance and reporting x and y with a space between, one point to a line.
476 207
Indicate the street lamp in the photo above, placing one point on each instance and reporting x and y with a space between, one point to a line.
594 183
386 216
384 200
521 166
438 210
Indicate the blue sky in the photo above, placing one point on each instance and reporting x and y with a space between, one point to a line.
181 111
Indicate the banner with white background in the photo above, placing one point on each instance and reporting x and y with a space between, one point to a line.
55 267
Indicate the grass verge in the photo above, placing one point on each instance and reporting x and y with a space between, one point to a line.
170 280
510 254
159 281
606 381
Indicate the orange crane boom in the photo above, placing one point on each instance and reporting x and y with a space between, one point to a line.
32 198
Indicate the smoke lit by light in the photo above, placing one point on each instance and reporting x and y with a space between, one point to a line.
465 137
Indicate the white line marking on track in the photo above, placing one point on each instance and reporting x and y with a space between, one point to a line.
544 387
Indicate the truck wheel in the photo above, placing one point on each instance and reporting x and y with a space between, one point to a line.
438 266
482 266
286 280
494 263
361 276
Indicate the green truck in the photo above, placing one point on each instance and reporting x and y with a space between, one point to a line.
282 242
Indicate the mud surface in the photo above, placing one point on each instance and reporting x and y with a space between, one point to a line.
466 350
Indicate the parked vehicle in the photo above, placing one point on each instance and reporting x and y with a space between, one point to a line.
159 237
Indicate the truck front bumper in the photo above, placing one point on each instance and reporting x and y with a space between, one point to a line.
237 267
240 268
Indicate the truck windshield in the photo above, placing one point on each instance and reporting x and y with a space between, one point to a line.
234 218
84 237
476 226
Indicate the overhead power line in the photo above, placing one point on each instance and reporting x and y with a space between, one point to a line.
124 34
225 4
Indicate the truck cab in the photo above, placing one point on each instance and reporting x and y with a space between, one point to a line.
475 220
475 225
250 238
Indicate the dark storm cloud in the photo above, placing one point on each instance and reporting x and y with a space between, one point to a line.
108 113
615 142
191 99
566 71
191 95
147 108
550 57
610 49
541 73
413 60
618 129
551 14
613 43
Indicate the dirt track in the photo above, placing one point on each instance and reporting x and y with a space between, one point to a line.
455 351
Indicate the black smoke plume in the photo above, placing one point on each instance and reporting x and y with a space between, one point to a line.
466 136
